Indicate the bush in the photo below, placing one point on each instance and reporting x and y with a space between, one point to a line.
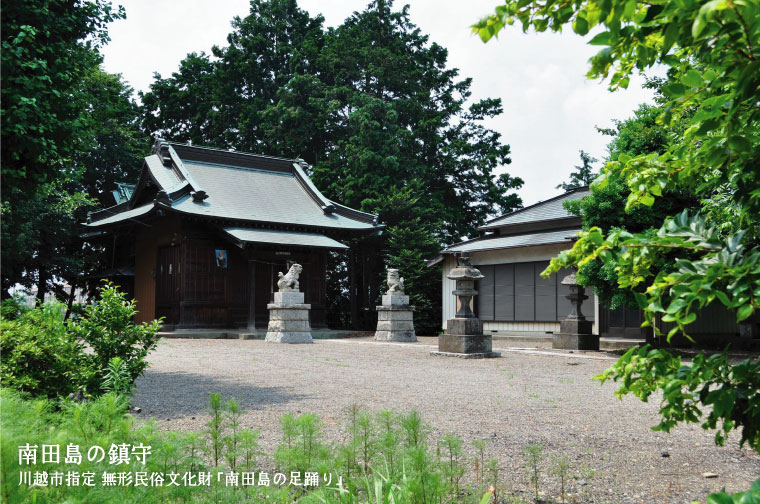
418 475
108 327
44 355
13 307
41 356
402 467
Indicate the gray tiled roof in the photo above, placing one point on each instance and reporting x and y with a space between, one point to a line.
513 241
259 195
548 210
125 215
235 186
166 177
276 237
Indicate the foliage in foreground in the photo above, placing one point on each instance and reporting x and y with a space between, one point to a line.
711 390
44 354
711 49
605 208
712 52
387 457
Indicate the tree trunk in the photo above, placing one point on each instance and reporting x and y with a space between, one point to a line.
70 302
352 289
42 280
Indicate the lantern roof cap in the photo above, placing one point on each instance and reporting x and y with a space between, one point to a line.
464 270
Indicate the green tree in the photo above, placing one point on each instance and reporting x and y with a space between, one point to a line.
712 52
221 99
41 238
583 174
371 105
47 45
605 207
405 146
69 131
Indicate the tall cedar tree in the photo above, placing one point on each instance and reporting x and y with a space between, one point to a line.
371 106
583 174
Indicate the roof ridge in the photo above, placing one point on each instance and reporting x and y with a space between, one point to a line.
228 151
237 167
502 238
521 210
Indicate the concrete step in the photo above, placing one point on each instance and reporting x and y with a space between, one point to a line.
258 334
619 343
544 339
211 334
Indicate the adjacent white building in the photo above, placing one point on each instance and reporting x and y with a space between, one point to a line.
511 253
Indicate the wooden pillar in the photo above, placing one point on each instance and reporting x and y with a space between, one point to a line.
352 291
362 298
372 294
373 284
251 294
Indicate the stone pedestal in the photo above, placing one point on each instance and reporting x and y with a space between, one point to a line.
395 319
289 318
570 341
464 336
575 331
575 326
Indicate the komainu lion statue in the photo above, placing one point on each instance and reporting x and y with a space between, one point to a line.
289 281
395 282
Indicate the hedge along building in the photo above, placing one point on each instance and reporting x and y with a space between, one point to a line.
203 236
511 253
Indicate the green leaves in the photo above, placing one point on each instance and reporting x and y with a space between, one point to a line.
580 26
711 99
691 259
692 78
710 267
729 392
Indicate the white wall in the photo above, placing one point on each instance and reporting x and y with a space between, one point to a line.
448 301
513 255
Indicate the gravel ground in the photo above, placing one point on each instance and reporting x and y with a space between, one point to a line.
526 396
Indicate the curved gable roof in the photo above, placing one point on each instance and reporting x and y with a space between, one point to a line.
235 186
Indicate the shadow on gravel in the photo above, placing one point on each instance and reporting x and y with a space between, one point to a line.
181 394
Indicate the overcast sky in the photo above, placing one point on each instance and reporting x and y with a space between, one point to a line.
550 108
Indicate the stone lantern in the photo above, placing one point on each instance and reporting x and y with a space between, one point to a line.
464 333
575 331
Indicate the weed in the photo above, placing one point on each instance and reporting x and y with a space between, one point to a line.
232 414
533 455
388 439
480 465
249 447
560 468
492 468
413 429
587 472
194 448
215 427
454 469
116 378
363 436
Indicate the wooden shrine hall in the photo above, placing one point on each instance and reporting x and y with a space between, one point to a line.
202 237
